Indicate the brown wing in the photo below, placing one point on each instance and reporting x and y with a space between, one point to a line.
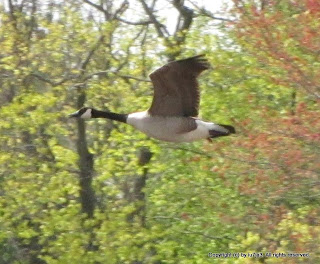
186 125
176 91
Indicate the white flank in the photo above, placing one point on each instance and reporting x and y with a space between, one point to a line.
87 114
138 120
201 132
167 128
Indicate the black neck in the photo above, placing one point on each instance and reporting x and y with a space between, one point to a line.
109 115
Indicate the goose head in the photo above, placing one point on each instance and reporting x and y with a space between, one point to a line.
85 112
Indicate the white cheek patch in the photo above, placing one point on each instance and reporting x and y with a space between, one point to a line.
137 119
87 114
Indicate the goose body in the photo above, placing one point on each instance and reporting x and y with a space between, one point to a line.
172 115
172 128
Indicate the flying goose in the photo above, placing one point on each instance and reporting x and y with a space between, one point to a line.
174 109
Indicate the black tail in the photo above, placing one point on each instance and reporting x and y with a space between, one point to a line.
231 129
219 133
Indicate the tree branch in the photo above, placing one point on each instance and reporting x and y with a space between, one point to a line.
131 77
126 60
207 13
117 74
82 67
138 23
51 82
185 12
90 54
123 7
154 20
99 7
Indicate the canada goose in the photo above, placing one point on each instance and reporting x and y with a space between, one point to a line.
175 105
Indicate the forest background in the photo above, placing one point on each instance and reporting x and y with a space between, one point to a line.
100 192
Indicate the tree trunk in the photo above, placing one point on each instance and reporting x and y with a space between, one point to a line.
87 195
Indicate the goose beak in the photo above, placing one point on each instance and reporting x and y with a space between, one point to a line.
75 114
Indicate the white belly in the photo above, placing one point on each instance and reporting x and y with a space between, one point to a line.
168 128
201 132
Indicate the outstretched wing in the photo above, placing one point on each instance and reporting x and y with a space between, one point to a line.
176 91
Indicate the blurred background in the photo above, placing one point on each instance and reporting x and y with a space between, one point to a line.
100 192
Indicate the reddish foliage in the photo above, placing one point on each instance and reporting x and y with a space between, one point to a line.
278 167
277 163
282 37
313 6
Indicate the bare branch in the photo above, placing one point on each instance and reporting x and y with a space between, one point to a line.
99 7
12 14
88 77
159 27
207 13
131 77
126 60
142 23
123 7
91 52
117 74
83 67
185 12
51 82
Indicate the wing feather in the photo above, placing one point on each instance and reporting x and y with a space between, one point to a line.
176 90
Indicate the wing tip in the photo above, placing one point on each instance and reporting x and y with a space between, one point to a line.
200 61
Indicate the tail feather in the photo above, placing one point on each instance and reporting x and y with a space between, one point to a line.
231 129
225 130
